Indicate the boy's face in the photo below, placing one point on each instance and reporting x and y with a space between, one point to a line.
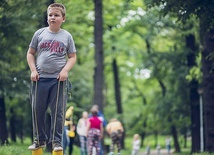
55 18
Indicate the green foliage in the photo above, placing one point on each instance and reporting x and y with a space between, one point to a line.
150 53
15 38
184 10
17 24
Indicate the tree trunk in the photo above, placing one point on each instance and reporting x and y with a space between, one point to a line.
208 86
3 124
175 137
185 140
117 87
156 138
99 66
142 136
118 95
12 125
21 128
194 97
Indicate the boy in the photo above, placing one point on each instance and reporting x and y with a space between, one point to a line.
49 74
115 129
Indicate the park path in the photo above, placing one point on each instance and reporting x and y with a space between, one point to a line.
154 152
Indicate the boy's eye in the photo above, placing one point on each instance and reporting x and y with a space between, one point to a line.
56 15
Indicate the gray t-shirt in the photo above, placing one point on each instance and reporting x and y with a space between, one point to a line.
51 49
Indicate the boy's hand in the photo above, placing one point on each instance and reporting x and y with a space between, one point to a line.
63 75
34 76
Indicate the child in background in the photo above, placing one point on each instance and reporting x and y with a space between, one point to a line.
81 130
94 132
49 73
68 122
136 144
115 130
158 148
168 144
148 148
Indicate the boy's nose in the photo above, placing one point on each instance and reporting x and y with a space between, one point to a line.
52 17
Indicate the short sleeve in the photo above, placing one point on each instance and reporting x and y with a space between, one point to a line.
71 46
34 41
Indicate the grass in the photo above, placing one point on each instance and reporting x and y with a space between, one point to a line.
18 149
204 153
21 149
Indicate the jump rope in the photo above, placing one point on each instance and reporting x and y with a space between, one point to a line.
34 113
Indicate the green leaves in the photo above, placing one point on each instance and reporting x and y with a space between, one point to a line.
150 53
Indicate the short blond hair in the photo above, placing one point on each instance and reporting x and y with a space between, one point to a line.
136 136
58 5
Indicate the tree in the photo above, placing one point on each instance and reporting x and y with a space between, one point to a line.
194 97
3 127
99 58
205 13
117 87
14 86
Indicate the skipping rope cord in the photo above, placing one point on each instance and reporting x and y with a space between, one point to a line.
57 102
34 113
63 104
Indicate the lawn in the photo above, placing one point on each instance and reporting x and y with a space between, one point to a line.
21 149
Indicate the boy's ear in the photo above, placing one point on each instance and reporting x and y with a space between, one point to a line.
64 19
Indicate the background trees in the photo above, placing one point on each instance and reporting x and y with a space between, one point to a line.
204 12
15 34
151 65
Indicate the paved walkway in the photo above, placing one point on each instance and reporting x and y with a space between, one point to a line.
154 152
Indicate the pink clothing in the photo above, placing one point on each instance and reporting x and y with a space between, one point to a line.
95 122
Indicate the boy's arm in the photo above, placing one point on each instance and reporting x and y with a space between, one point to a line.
63 75
31 63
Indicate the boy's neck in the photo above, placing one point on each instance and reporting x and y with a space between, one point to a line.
54 30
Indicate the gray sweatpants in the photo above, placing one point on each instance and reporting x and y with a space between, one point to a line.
48 92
